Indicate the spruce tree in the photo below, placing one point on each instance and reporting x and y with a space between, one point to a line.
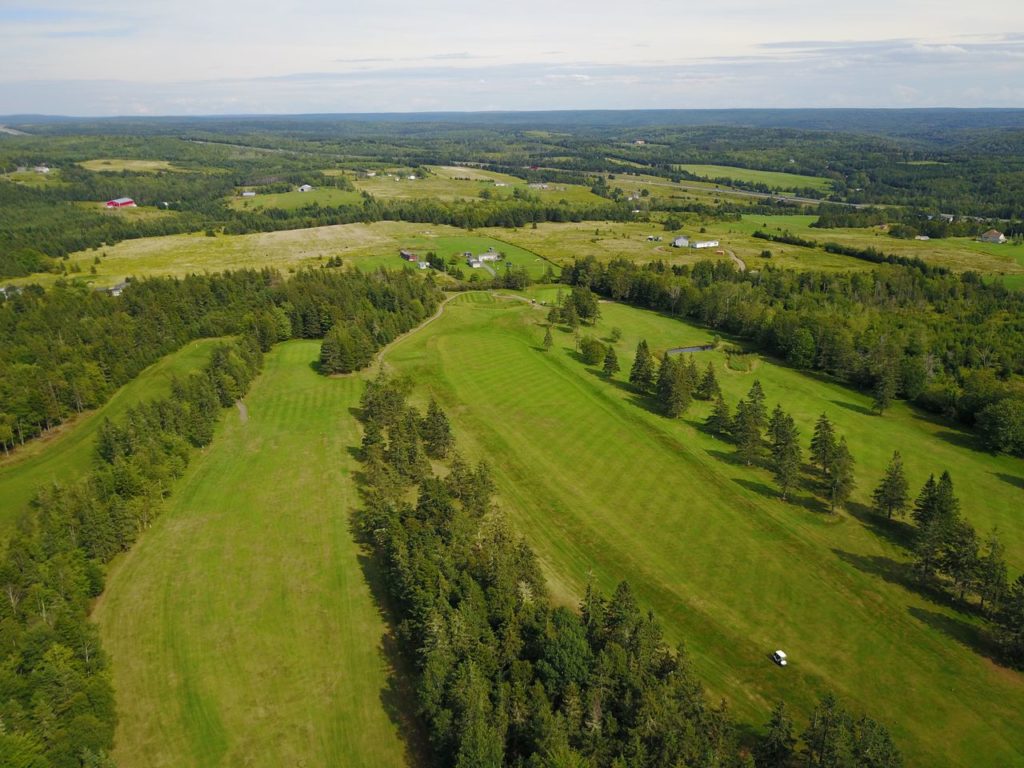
924 505
548 340
611 362
840 476
785 451
776 748
757 408
884 389
720 421
992 572
708 388
436 432
746 433
891 495
641 375
823 444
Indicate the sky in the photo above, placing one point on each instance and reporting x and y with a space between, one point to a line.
191 57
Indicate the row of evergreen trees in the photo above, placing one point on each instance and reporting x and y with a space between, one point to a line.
67 349
949 554
503 678
56 698
940 340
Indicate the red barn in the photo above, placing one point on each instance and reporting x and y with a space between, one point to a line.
121 202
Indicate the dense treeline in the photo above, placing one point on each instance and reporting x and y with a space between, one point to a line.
66 350
505 679
56 697
951 343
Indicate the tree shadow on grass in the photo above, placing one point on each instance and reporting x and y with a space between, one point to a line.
902 573
896 531
1011 479
969 635
963 440
398 697
854 407
810 503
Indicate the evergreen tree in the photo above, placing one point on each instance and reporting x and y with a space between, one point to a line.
719 422
947 505
776 748
548 340
827 736
891 495
924 505
884 389
823 444
436 432
708 388
756 406
840 476
785 451
674 394
992 572
611 362
641 375
747 433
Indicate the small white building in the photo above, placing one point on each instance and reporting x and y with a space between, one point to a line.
921 237
992 236
705 244
411 177
42 169
491 255
681 242
370 174
305 188
248 193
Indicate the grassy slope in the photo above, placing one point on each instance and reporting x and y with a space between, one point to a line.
241 628
289 201
599 484
67 450
774 179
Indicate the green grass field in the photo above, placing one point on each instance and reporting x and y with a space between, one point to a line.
116 165
289 201
601 485
458 183
774 179
241 628
366 246
66 451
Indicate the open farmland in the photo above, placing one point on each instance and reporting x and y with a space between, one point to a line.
67 451
241 626
773 179
290 201
457 183
117 165
600 485
366 246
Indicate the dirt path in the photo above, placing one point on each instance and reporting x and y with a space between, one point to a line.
440 310
741 265
243 412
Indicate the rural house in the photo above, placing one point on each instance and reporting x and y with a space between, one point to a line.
992 236
681 242
121 202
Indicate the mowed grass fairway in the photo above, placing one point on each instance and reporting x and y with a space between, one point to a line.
599 484
241 627
67 451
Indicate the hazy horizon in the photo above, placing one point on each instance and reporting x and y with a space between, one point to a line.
206 58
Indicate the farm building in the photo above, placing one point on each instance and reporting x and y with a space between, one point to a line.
305 188
639 142
992 236
681 242
41 169
248 193
490 255
121 202
117 290
705 244
407 255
